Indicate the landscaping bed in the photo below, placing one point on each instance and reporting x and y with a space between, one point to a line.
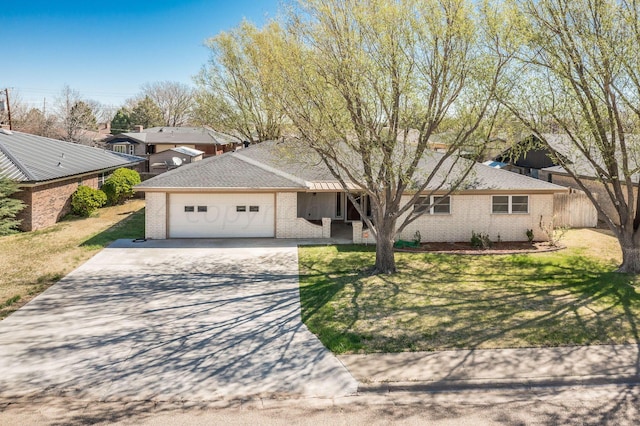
503 247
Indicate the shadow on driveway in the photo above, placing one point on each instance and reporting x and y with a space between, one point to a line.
188 321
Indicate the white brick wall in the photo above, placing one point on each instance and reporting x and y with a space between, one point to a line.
473 213
288 224
156 215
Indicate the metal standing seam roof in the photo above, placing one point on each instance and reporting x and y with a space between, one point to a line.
30 158
265 166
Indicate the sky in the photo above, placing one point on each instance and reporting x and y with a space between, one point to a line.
107 50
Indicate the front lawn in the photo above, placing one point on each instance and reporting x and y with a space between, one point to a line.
32 261
438 301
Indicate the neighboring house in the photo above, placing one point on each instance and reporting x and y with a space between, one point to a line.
172 158
48 172
266 191
530 157
146 142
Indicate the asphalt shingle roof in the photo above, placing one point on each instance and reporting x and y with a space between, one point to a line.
280 165
220 172
177 135
30 158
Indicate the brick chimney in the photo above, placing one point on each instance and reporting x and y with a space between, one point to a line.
138 128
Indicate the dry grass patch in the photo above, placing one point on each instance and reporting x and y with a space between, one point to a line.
440 301
32 261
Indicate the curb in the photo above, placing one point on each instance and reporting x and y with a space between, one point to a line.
496 384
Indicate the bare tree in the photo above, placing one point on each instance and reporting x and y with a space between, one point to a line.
356 77
578 71
174 99
75 115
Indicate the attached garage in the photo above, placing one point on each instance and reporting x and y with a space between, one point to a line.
206 215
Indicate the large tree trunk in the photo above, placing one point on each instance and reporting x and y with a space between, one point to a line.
630 254
385 258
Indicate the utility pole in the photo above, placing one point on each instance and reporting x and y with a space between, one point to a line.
6 92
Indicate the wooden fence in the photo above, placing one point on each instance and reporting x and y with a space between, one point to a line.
574 210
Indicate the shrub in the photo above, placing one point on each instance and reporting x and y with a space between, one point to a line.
119 186
530 235
480 240
9 207
87 200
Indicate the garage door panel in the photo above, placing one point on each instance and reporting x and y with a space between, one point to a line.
221 215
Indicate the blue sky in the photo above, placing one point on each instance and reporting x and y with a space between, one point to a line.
107 50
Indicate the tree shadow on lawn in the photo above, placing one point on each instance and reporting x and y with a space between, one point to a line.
131 227
451 302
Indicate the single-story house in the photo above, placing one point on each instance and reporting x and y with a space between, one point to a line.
49 171
174 157
147 142
261 191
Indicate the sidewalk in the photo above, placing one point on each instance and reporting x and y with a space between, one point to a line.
495 368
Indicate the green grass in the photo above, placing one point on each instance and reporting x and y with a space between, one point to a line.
132 227
440 301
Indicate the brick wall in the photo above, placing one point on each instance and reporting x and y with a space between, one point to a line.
473 213
155 215
288 224
47 204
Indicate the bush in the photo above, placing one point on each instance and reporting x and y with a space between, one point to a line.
87 200
530 235
480 240
9 207
119 186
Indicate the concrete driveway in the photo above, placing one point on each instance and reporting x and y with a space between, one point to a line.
171 320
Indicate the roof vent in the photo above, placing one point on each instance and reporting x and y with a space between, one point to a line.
6 131
59 164
63 155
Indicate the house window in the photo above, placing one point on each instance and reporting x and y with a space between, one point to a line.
443 205
510 204
254 208
202 209
101 178
124 148
241 208
189 209
338 205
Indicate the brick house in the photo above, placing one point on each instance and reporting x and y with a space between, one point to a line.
147 143
261 191
49 171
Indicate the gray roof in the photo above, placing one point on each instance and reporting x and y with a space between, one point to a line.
30 158
187 151
285 165
177 135
220 172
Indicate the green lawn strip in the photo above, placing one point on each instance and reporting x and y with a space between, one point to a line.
440 301
132 227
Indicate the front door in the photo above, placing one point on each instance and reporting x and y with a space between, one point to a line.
352 212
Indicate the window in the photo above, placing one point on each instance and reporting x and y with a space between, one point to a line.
241 208
101 178
189 209
510 204
443 205
123 148
202 209
254 208
338 205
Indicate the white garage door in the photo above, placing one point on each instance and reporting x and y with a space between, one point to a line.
221 215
